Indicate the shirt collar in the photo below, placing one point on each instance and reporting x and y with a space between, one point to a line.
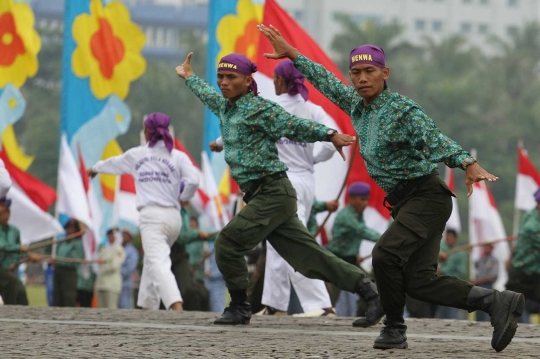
242 101
379 102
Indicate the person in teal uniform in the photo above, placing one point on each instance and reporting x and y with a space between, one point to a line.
12 252
250 126
401 147
65 273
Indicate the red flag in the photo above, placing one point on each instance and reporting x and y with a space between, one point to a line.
200 200
41 194
527 182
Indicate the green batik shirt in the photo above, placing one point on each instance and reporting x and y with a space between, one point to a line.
348 232
456 264
250 128
398 141
317 207
70 249
526 258
10 246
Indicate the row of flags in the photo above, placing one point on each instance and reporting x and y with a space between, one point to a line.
102 57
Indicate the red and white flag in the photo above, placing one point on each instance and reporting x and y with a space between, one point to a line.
486 225
75 197
454 222
328 175
527 182
31 199
215 216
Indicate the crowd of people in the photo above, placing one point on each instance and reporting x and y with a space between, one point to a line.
268 148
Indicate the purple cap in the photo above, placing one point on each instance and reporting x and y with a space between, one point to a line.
359 189
240 64
367 54
158 125
294 78
537 196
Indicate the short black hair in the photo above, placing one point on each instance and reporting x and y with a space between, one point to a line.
112 230
73 223
452 231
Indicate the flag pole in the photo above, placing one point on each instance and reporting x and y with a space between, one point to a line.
517 212
472 273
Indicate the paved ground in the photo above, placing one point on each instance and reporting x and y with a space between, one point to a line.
97 333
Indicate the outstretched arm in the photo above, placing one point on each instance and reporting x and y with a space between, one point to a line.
116 165
323 80
280 123
202 89
440 148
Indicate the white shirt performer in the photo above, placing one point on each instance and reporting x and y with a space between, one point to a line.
159 171
5 180
300 159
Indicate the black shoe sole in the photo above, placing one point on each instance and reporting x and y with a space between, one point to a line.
403 345
517 306
245 322
365 325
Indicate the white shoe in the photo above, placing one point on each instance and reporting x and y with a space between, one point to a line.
323 312
271 311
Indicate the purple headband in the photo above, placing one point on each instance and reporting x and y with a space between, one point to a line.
158 125
359 189
294 78
367 54
537 196
240 64
6 201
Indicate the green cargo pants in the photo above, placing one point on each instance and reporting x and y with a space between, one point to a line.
271 214
405 257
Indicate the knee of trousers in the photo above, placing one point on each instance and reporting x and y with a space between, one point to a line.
382 258
223 249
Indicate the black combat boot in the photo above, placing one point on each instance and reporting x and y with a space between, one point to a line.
392 336
504 308
238 311
374 312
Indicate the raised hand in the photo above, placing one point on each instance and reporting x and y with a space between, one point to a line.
282 48
475 173
340 140
214 147
184 71
91 173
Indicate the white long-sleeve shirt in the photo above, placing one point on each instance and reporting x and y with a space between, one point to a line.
158 174
5 179
299 156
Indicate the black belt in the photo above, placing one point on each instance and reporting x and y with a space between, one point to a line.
404 187
254 185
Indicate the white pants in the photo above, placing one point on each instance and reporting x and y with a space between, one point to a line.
160 227
279 275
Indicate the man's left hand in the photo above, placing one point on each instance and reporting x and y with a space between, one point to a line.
475 173
340 140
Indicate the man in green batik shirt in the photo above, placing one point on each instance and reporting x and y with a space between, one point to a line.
250 127
316 208
65 273
524 273
11 252
348 231
193 295
401 147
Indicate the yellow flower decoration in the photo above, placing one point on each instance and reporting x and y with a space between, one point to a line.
108 49
19 43
239 33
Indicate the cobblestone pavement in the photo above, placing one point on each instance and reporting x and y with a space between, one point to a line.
101 333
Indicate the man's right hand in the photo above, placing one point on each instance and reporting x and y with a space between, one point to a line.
282 48
203 235
24 249
184 71
214 147
340 140
332 206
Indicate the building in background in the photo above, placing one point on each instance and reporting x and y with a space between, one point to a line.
477 20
